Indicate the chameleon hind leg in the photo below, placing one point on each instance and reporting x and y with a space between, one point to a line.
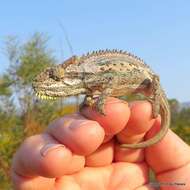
155 99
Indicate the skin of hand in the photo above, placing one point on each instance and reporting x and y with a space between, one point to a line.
81 152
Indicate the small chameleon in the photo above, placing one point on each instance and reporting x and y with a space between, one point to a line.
106 73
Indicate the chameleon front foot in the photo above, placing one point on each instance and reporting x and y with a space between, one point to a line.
100 104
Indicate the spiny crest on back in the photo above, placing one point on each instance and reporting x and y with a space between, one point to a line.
114 52
108 52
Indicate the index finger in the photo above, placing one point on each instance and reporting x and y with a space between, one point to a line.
116 116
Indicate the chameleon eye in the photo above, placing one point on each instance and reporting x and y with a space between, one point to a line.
58 73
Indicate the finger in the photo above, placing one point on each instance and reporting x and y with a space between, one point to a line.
170 158
117 115
82 136
41 155
102 156
139 123
128 155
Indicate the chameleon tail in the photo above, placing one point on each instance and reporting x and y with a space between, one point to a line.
165 122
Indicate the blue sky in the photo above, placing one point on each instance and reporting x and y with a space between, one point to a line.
157 31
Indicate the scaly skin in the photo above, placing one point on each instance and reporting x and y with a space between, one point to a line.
106 73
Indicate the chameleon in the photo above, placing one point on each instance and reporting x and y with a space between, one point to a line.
104 73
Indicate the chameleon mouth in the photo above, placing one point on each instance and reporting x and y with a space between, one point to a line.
45 97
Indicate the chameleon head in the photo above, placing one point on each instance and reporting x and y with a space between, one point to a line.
58 81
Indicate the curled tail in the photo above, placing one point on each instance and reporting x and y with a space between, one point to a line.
165 122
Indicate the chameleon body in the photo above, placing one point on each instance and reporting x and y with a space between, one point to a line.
106 73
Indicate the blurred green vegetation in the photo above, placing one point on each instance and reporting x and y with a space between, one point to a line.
22 114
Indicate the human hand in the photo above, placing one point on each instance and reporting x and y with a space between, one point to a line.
80 152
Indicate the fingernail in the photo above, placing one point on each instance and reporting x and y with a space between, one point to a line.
49 147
